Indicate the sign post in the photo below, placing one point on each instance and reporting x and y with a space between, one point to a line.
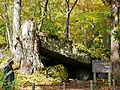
102 67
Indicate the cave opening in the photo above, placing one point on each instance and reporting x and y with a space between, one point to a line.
76 69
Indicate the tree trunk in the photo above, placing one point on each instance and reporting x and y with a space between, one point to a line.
67 33
43 16
30 48
7 26
114 43
106 35
85 32
25 44
16 22
68 12
92 22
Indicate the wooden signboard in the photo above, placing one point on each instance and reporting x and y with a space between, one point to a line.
102 67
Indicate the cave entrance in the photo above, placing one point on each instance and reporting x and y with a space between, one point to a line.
76 69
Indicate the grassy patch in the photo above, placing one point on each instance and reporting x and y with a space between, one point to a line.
2 41
36 78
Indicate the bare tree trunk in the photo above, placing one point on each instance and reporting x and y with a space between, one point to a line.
106 35
114 43
43 16
85 37
25 44
7 26
68 12
67 33
16 22
85 32
30 48
92 23
17 43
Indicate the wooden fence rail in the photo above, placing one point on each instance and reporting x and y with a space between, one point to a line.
62 85
66 86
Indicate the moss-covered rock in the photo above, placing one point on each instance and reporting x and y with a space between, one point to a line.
58 72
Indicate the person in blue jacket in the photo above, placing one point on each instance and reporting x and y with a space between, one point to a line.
8 74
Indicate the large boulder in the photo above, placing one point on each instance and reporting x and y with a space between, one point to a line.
58 72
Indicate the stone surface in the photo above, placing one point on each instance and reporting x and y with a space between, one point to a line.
68 49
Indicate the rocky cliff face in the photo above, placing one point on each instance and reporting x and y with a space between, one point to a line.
68 49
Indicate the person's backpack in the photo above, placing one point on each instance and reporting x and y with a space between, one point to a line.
8 73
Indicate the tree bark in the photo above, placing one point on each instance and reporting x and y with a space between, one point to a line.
106 35
84 29
7 26
67 33
25 44
30 47
16 22
114 43
68 12
92 22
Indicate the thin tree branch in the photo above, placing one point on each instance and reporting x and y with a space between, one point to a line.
73 6
45 10
67 1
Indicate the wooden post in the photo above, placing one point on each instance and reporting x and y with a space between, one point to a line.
94 77
91 85
109 79
63 85
113 81
94 81
33 86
